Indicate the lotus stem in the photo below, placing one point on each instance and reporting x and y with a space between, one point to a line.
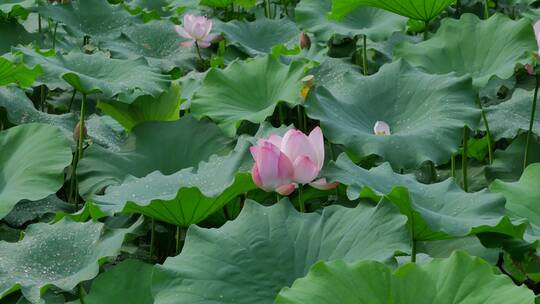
458 8
178 239
464 158
426 29
486 9
78 154
413 251
42 97
488 132
299 118
54 36
301 199
281 115
198 51
267 8
152 239
364 57
82 293
531 123
453 165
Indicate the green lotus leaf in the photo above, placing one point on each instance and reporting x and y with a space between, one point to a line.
508 118
33 159
468 46
444 248
156 41
60 255
508 164
424 10
96 73
426 113
458 279
92 18
130 275
227 3
26 211
247 90
259 36
265 249
17 7
167 147
13 33
376 24
522 198
145 108
17 73
103 130
437 211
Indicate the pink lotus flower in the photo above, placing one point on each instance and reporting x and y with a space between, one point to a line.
197 30
283 162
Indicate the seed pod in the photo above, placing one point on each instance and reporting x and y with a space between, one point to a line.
305 41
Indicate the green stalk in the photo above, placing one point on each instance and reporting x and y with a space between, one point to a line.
54 36
152 238
80 142
464 158
488 132
299 118
267 8
198 51
301 199
453 165
458 7
42 97
413 251
426 30
177 240
82 293
281 115
531 123
364 55
486 9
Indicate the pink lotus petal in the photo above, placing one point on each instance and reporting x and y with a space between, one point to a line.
286 189
199 31
182 32
256 177
322 184
203 44
212 38
537 34
275 140
188 43
317 142
295 143
305 169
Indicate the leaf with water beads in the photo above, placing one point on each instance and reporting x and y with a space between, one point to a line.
60 255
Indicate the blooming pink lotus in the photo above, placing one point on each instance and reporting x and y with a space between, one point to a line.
197 30
283 162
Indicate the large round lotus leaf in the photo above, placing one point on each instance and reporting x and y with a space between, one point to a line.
437 211
414 9
508 164
17 73
470 46
426 114
522 198
145 108
186 197
26 211
247 90
96 73
265 249
376 24
12 6
460 279
33 159
167 147
60 255
258 37
131 280
156 41
13 33
103 130
508 118
93 18
190 195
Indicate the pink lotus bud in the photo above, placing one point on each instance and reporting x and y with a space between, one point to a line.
305 152
381 128
305 41
197 30
272 170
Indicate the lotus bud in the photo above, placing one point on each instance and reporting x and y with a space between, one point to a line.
309 82
305 41
77 132
381 128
